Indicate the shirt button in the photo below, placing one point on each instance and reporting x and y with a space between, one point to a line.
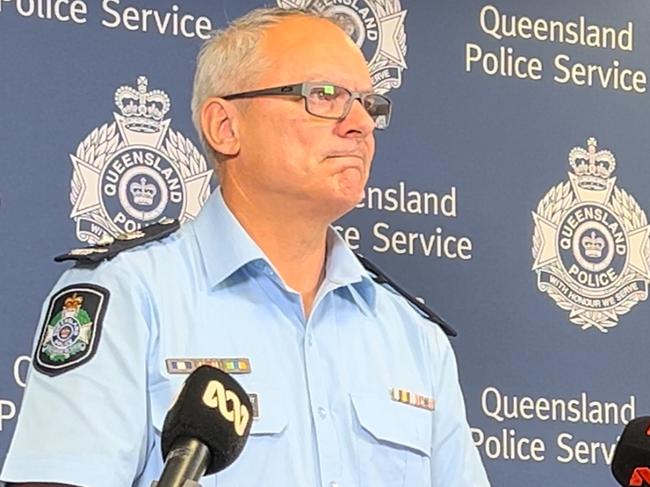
309 340
334 483
322 412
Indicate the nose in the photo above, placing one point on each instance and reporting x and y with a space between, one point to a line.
357 123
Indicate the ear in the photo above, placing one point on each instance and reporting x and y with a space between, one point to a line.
219 125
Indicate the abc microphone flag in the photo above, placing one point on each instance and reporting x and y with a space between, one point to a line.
206 428
631 462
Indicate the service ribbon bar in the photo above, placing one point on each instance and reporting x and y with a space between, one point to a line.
188 365
413 399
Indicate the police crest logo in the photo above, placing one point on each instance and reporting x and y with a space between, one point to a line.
135 171
590 244
71 328
376 26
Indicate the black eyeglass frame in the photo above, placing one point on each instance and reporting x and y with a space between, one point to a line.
303 90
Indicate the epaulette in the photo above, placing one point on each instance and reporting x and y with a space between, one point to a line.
109 247
381 278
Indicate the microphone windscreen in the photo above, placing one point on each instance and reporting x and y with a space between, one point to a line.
213 408
632 454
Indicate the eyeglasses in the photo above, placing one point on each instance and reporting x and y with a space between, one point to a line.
326 100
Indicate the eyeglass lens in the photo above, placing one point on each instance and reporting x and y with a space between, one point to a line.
331 101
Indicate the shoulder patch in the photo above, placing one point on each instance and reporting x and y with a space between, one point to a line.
381 278
109 247
71 328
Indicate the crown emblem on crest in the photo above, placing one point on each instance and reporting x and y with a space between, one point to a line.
143 110
592 167
593 245
143 192
73 303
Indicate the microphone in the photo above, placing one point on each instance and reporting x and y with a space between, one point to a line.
206 428
631 462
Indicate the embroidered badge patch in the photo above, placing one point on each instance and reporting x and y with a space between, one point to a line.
408 397
71 328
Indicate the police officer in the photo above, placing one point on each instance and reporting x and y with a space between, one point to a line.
354 387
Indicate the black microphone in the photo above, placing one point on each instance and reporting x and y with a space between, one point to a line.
206 428
631 462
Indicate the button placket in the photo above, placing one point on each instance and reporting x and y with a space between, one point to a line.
326 437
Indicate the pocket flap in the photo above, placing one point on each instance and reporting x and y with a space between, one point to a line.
393 422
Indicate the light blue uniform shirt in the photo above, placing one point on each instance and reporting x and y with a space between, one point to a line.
326 416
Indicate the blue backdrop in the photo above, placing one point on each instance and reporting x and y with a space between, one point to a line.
510 192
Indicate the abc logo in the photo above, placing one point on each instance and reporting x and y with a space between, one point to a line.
216 396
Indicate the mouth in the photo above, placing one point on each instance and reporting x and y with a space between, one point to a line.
347 155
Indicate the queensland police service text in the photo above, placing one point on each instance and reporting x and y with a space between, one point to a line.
505 60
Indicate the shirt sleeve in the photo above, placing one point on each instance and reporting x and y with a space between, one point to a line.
87 425
455 460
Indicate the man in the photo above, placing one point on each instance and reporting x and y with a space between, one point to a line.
284 103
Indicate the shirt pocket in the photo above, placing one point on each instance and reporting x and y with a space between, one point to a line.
259 459
393 441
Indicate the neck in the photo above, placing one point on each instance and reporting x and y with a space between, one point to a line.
295 243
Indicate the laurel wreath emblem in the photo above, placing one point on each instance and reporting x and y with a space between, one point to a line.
180 149
552 207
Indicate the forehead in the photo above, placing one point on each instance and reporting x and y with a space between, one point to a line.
308 48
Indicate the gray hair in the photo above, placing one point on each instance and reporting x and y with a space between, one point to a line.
229 59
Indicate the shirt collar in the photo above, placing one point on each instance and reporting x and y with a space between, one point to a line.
342 265
344 269
224 256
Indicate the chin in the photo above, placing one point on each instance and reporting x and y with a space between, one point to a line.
337 198
343 202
